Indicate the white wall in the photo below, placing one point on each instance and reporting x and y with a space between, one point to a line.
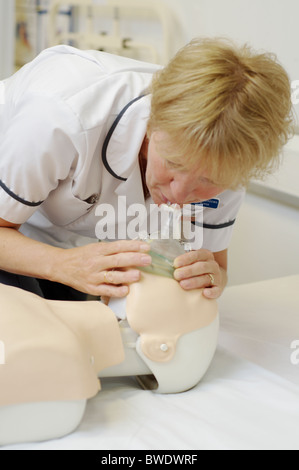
265 242
270 25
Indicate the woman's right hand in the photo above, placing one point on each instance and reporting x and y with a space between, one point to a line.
102 269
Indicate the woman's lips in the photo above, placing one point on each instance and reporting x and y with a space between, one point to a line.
165 200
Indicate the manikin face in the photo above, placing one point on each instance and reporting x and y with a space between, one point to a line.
169 182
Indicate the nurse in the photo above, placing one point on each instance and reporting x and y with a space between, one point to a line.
80 129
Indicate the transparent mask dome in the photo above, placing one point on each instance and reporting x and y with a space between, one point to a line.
166 244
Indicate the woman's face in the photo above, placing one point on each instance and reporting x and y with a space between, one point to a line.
169 182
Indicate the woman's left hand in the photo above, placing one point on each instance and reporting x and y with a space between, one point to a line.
199 270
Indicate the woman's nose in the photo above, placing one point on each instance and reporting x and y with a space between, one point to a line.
182 191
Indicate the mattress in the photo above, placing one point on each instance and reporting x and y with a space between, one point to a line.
248 399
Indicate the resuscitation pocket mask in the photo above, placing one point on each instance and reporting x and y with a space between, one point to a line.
163 253
168 243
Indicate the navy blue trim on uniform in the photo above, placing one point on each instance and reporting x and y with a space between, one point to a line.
211 226
18 198
109 135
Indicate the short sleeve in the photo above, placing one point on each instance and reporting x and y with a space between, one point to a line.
215 228
40 140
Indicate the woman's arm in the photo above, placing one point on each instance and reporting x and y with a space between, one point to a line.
96 269
21 255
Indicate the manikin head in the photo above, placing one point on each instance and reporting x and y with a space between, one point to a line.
177 331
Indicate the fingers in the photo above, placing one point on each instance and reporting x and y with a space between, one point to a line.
212 292
203 281
192 257
122 254
196 277
115 259
111 267
120 277
108 291
199 270
105 268
199 274
122 246
115 283
125 260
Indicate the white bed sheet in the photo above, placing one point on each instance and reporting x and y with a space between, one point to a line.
249 398
260 321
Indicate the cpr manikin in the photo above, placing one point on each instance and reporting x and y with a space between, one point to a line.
169 334
55 351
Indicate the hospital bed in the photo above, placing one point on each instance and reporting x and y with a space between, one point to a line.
248 399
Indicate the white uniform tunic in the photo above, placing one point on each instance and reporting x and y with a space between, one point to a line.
71 126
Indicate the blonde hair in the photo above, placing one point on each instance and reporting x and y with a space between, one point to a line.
223 107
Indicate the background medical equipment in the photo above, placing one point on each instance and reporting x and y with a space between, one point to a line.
87 35
123 28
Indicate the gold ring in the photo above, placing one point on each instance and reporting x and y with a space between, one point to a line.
105 276
211 279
